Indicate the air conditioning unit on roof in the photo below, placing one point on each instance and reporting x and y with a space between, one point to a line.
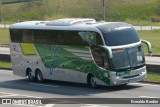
70 21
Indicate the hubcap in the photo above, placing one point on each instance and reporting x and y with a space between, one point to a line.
30 75
39 76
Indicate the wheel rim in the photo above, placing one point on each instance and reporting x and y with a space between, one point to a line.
30 75
39 76
93 82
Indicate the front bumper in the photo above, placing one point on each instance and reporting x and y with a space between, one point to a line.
140 75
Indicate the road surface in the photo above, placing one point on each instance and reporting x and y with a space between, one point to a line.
147 27
12 86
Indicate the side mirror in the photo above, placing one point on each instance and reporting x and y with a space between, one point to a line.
148 46
109 51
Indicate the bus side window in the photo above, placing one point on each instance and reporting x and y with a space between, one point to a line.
100 58
99 39
91 38
16 35
71 38
27 36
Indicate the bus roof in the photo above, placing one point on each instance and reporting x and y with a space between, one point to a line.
67 24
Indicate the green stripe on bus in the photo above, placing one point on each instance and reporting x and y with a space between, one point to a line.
28 49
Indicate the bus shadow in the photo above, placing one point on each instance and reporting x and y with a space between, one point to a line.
61 88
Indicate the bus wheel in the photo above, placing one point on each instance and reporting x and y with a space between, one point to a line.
92 81
30 76
39 76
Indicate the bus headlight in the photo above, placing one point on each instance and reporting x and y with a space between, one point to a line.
117 77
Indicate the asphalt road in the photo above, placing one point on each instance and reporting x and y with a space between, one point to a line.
12 86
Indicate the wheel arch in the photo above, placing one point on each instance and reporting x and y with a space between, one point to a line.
88 77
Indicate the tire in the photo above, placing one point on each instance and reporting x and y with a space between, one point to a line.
30 76
92 81
39 76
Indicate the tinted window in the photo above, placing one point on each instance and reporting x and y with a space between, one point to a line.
46 37
128 58
16 35
56 37
27 36
121 35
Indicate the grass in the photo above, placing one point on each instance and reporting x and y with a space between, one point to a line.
155 77
6 22
153 37
4 36
116 10
5 65
142 22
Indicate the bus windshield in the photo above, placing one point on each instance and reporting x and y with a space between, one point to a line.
117 34
128 58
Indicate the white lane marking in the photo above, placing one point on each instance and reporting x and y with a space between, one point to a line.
44 85
8 95
5 70
93 105
146 84
49 105
148 97
25 105
20 95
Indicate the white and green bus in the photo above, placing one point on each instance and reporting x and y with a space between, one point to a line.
78 50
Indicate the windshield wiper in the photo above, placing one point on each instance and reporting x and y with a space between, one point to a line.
126 67
138 65
122 68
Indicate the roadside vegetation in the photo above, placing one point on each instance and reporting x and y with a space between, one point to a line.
4 38
153 37
5 64
137 12
154 77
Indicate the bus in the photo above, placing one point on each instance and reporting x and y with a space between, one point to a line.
80 50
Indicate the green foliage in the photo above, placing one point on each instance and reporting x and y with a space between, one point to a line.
116 10
155 19
153 37
4 36
155 77
5 65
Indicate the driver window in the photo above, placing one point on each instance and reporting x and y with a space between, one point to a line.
100 58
